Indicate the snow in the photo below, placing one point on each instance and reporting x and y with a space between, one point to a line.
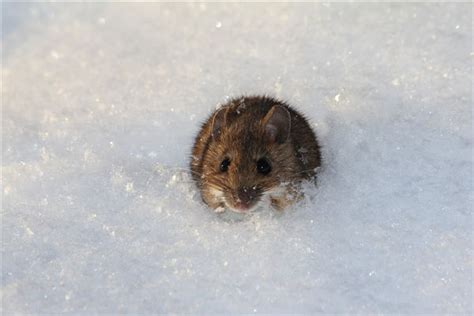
100 106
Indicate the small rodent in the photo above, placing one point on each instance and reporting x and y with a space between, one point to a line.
253 151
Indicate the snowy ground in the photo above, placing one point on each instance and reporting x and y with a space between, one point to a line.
100 106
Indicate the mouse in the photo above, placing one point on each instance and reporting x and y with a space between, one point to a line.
251 152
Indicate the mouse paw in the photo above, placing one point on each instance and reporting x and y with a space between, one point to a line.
220 209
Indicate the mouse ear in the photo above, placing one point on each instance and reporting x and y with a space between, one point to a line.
218 121
277 123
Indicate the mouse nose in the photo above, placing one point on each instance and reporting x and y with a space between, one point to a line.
245 196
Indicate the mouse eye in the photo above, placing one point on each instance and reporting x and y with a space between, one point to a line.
263 166
224 165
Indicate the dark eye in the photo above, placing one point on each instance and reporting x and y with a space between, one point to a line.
263 166
225 165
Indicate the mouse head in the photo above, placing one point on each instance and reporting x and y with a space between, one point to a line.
250 157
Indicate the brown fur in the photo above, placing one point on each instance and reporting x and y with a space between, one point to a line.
237 131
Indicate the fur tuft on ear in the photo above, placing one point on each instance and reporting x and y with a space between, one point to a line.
218 121
277 124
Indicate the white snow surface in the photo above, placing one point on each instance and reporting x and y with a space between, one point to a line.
100 106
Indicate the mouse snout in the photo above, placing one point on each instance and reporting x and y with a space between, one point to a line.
245 197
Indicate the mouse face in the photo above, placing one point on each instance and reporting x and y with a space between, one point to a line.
244 169
245 156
